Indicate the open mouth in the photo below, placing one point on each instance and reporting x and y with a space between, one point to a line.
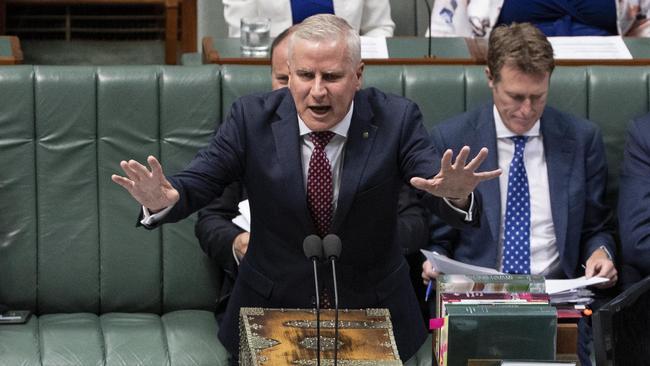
320 109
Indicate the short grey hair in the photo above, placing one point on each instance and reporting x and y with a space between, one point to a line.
323 27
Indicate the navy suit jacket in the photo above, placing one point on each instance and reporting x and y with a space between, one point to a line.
634 201
577 174
216 232
259 144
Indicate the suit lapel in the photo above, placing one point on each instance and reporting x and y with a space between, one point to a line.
485 136
286 135
559 149
361 137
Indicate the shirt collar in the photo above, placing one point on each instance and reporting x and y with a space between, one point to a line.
340 128
504 132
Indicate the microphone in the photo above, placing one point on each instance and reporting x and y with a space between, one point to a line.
332 249
313 248
429 38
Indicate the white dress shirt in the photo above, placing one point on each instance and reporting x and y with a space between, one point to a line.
543 249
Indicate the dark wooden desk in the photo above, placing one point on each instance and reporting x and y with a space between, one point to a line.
414 50
10 51
187 21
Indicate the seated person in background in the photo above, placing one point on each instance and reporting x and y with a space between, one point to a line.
368 17
477 18
227 243
634 203
546 213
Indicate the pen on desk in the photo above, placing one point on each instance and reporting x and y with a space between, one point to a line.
426 295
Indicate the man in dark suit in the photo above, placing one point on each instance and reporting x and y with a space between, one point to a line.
227 243
299 184
546 214
634 203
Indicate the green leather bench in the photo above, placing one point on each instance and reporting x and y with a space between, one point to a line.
107 293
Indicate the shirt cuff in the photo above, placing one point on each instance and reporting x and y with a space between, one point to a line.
149 219
468 213
609 255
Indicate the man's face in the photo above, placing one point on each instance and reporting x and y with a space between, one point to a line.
322 81
279 66
520 98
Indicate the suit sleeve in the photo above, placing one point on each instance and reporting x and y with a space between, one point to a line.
597 229
412 221
442 237
421 158
634 196
212 169
215 229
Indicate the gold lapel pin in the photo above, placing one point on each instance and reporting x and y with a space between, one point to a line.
365 135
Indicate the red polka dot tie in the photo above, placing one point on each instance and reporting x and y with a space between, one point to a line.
319 183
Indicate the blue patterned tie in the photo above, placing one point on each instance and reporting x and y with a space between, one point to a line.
516 243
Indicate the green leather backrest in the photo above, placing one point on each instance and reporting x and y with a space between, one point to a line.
68 241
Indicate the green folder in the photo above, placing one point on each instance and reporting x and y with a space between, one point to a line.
499 331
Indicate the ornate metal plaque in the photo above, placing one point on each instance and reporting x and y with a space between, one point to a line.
288 337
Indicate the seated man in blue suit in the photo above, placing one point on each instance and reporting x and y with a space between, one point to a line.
323 156
546 214
634 203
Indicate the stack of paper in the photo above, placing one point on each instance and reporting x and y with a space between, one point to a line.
572 291
560 291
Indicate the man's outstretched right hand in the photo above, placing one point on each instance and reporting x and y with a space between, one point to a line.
149 187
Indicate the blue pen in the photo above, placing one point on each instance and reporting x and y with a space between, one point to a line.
430 285
426 295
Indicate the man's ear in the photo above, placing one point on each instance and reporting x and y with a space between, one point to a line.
290 74
489 76
359 73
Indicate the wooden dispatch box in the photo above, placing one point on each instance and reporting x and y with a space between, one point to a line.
288 337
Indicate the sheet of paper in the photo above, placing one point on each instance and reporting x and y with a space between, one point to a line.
450 266
556 286
590 48
373 47
244 218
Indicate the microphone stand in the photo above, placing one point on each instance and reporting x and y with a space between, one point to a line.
332 248
317 314
313 248
336 313
426 2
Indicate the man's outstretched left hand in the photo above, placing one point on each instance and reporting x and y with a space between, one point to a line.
456 181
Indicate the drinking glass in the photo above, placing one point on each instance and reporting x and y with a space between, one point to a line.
255 36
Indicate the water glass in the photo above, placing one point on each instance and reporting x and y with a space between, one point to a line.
255 36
